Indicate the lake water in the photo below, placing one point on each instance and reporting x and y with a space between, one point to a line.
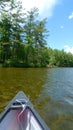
49 90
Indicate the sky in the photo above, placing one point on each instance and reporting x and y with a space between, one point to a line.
59 14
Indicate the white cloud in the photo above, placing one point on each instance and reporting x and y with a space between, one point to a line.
71 16
45 7
68 49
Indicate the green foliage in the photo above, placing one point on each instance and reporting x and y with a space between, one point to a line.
60 58
22 37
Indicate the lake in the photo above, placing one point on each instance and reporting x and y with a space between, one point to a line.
49 90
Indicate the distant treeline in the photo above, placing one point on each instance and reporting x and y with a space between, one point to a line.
23 39
60 58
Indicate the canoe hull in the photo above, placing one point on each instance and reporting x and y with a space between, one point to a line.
20 115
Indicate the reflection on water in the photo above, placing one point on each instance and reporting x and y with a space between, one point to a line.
50 91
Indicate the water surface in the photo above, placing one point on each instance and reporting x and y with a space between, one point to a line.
50 91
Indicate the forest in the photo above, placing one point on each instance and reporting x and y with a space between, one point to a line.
23 39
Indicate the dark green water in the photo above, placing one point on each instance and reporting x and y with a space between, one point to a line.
50 91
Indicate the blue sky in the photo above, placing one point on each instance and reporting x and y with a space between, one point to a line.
59 15
61 26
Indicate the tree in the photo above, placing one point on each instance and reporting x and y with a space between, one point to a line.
34 34
17 20
10 34
5 33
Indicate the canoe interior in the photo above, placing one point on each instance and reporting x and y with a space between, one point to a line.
17 119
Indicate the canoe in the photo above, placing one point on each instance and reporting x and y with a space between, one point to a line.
21 115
